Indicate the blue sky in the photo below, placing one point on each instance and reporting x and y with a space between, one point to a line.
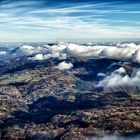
69 20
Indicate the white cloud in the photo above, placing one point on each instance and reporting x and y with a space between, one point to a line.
31 20
28 49
121 70
38 57
120 51
64 66
3 52
137 56
101 74
47 52
129 52
120 78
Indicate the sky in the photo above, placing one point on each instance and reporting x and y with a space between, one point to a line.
69 20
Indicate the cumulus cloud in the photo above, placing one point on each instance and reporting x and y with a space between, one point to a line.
47 51
118 51
55 55
56 51
121 51
64 65
100 74
37 57
125 51
28 49
137 56
3 52
120 78
121 70
82 50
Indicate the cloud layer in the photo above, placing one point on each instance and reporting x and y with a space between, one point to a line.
124 51
68 20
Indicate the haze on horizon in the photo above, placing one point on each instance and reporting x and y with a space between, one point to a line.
69 20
